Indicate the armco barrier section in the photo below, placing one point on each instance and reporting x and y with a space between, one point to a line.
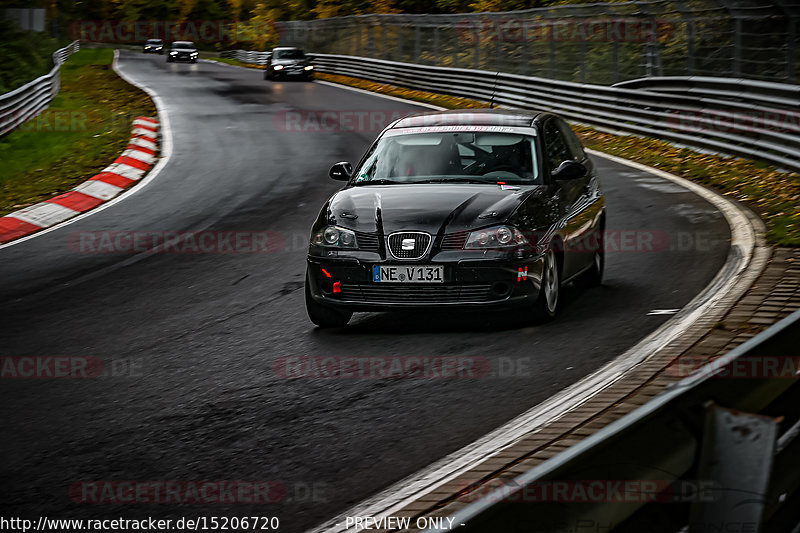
24 103
752 119
756 120
728 432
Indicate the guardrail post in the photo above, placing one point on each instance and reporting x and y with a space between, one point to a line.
690 38
476 60
525 58
737 48
583 60
399 49
791 50
736 458
417 42
370 40
436 60
454 47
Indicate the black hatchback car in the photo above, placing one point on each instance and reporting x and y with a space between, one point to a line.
461 209
288 62
153 46
182 51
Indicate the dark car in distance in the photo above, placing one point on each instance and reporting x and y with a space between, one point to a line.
489 209
153 46
182 51
288 62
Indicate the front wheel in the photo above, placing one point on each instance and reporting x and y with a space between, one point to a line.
594 276
547 303
323 316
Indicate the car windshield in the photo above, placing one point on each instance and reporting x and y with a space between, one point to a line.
289 54
185 46
455 157
154 41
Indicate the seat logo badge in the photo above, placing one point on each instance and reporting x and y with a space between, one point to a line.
522 274
407 245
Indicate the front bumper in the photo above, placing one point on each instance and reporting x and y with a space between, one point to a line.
183 58
292 72
468 283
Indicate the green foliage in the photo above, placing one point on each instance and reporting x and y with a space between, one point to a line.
85 128
26 55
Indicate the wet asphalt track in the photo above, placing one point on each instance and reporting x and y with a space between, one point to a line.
203 330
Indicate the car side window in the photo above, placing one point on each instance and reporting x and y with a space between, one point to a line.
555 147
573 143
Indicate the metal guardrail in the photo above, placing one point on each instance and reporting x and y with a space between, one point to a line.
756 120
729 432
246 56
586 42
26 102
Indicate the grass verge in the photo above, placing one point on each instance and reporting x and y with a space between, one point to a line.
85 128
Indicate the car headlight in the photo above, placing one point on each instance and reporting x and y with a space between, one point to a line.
308 67
278 67
495 237
194 53
173 53
334 236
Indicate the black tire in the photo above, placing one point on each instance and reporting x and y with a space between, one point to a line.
594 276
323 316
548 302
266 75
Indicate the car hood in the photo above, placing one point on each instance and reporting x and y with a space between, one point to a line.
184 50
426 207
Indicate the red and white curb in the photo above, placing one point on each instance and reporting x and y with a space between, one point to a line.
130 167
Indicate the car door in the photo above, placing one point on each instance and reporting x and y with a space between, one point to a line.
560 144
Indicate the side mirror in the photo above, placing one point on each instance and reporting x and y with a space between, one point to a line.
569 170
341 171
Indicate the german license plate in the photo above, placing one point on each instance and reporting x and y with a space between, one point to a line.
408 274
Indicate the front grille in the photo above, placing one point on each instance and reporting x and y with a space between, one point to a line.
428 294
454 241
367 241
421 241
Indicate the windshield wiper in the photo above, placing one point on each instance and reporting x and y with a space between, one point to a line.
379 182
452 180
